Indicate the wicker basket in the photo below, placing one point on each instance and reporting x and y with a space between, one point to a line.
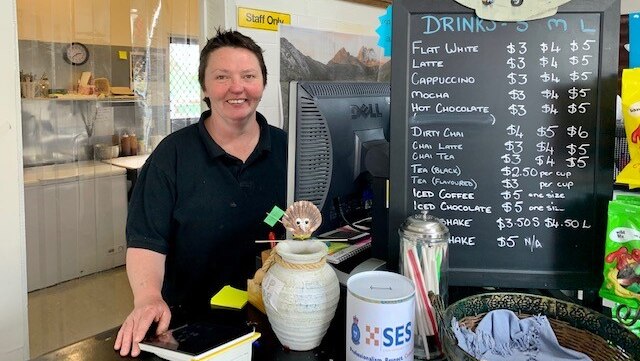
576 327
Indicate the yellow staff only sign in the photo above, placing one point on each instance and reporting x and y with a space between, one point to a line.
260 19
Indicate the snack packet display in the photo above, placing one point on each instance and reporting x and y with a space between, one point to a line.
629 317
630 175
622 261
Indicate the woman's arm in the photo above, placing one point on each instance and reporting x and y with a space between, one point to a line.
145 270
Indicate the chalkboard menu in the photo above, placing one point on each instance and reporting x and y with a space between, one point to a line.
505 131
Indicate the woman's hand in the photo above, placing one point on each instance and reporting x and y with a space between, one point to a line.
136 325
145 269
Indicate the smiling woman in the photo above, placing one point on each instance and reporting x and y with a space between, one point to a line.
211 184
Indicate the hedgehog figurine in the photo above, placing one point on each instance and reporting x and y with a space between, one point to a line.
301 219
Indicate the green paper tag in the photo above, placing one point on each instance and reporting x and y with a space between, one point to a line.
273 216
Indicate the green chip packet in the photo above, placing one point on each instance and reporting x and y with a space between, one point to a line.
621 269
627 198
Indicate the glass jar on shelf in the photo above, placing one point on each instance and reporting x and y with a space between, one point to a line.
125 145
424 259
44 86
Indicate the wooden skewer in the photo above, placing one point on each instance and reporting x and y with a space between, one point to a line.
318 239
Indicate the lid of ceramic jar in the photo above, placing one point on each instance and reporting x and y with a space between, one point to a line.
423 226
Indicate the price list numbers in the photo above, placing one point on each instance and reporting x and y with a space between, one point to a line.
577 151
530 242
517 80
534 184
580 94
549 76
548 63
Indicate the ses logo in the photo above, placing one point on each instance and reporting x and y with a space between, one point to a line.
388 336
365 111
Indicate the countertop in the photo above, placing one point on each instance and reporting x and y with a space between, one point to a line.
131 162
266 348
54 173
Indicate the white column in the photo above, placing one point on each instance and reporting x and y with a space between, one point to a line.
212 15
14 333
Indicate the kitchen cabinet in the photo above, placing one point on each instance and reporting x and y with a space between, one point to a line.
111 217
75 218
90 23
43 267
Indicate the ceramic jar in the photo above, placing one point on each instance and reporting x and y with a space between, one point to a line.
300 293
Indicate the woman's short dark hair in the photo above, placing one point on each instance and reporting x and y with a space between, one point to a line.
233 39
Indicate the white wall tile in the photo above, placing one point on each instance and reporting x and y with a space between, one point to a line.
629 6
281 6
305 21
231 12
349 28
270 95
344 11
272 114
272 58
261 36
273 69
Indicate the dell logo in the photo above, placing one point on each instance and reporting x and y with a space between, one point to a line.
365 111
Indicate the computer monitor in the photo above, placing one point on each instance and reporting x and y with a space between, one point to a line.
338 136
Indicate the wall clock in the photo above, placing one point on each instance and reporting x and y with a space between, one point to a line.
75 54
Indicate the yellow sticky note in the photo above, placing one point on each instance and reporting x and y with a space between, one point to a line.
230 297
122 54
336 246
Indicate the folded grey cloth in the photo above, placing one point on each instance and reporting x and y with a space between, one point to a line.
501 336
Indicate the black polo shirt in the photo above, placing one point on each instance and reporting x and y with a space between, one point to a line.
204 208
